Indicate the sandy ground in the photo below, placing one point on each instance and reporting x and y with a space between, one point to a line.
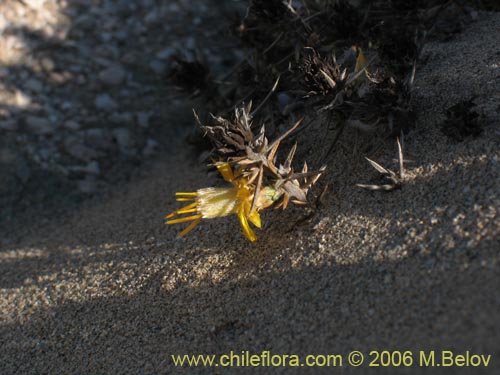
109 289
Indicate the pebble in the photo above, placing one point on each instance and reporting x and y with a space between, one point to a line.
104 102
121 35
143 119
39 125
57 78
66 105
151 18
75 147
90 82
129 58
48 64
150 148
7 156
71 125
4 23
122 137
23 171
124 118
157 66
35 4
81 80
88 185
166 53
114 75
91 168
9 125
34 85
98 138
106 37
22 100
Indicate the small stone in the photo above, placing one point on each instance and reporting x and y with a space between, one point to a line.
122 137
143 119
7 156
88 185
125 118
283 100
48 64
104 102
71 125
104 62
39 125
9 125
22 100
166 53
4 72
98 138
129 58
91 168
76 69
121 35
151 18
113 75
106 37
65 105
34 85
4 23
81 80
150 148
57 78
35 4
23 172
157 66
75 147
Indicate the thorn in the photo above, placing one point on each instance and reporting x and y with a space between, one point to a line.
378 167
275 86
400 156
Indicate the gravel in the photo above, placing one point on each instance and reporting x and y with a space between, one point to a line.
66 67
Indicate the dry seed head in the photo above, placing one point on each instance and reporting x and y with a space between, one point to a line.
255 159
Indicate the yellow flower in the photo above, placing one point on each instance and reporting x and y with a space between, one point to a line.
211 202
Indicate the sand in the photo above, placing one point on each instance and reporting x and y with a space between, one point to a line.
109 289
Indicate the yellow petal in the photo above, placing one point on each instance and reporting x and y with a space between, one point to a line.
254 218
190 208
226 171
186 209
186 194
190 227
247 231
183 219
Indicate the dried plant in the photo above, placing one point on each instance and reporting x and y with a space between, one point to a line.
389 179
249 162
190 76
311 55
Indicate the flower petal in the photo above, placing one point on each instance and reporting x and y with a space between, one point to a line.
183 219
247 231
254 218
190 227
226 171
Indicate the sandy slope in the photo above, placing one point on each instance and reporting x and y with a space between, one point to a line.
110 290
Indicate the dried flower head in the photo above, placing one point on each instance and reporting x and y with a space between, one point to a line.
209 203
256 157
258 183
